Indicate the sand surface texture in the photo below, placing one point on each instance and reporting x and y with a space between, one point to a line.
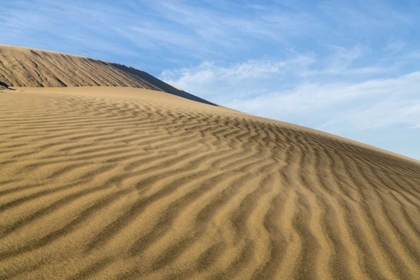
123 183
21 67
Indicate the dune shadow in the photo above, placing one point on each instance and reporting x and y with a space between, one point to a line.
5 86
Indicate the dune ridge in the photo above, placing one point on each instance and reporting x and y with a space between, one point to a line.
25 67
124 183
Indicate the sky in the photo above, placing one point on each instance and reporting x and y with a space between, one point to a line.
350 68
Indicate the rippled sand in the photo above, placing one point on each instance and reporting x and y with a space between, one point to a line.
124 183
118 183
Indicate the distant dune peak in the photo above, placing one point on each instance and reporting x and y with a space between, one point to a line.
21 67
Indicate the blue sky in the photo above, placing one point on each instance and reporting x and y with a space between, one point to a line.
351 68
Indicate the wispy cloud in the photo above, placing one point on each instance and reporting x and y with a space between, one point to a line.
260 87
265 76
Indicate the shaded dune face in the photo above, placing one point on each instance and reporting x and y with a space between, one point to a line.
123 187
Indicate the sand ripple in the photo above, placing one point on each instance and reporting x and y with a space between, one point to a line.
135 186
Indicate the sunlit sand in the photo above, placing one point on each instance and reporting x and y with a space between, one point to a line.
120 176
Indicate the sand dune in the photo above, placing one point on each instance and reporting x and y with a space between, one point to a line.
22 67
123 183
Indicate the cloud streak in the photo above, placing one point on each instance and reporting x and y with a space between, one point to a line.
261 87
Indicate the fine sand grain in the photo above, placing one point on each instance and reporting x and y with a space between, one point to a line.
124 183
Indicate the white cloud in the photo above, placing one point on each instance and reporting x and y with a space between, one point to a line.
269 88
222 83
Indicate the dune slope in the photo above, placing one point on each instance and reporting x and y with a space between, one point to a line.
22 67
123 183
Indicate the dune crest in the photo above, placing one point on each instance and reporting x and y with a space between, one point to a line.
124 183
23 67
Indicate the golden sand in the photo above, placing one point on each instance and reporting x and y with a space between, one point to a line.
124 183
